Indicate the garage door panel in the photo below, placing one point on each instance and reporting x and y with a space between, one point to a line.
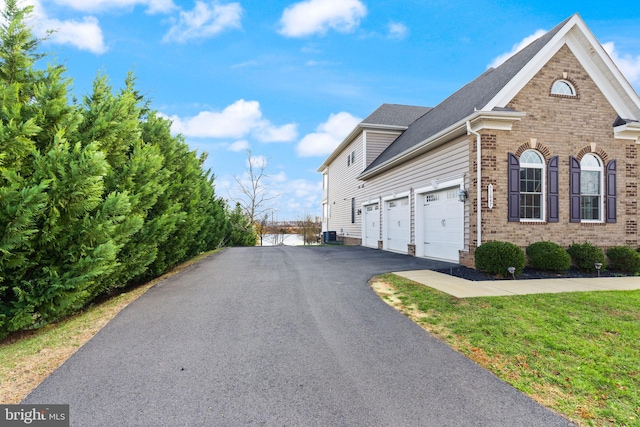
443 225
398 226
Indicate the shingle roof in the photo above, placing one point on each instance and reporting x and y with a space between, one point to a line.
474 95
395 115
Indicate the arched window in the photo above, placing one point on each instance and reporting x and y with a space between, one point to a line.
532 186
563 87
591 183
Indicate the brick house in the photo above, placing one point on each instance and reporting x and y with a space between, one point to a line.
555 131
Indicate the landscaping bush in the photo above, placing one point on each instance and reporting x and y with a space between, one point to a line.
624 258
548 256
585 256
495 257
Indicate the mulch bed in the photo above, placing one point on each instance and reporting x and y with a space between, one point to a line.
527 273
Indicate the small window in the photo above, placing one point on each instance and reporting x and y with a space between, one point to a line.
531 186
563 87
591 188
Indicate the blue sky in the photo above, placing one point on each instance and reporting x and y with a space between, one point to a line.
289 79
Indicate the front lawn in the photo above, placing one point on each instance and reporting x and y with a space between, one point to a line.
576 353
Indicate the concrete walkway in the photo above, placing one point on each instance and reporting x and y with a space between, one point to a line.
462 288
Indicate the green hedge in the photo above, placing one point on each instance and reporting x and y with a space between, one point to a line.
624 258
496 257
94 195
585 256
548 256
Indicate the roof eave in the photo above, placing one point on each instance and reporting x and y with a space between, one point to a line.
628 131
498 120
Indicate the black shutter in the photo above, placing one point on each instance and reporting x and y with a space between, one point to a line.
574 190
514 188
611 191
553 191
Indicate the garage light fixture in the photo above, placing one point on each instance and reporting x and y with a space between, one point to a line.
463 195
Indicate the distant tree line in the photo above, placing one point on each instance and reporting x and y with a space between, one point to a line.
94 195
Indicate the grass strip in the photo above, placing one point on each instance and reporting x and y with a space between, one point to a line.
28 357
576 353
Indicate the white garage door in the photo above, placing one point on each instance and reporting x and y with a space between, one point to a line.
371 225
398 225
443 216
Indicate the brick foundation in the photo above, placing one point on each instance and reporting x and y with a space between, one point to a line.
350 241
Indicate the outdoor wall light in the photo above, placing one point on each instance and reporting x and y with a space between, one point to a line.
359 211
512 270
463 195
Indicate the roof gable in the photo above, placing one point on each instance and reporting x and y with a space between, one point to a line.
391 117
493 89
472 97
574 33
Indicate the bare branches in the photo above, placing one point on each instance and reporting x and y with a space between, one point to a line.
254 199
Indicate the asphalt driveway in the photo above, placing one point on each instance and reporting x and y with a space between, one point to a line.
279 336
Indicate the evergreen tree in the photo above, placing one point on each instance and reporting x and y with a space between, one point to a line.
94 196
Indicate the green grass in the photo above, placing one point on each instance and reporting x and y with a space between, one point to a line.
576 353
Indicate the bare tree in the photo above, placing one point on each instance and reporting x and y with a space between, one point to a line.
254 197
261 227
310 230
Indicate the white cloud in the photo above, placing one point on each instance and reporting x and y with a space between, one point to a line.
205 20
268 133
153 6
516 48
238 146
628 65
328 136
397 30
85 34
238 120
279 177
318 16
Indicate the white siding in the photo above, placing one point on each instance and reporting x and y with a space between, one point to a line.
377 142
342 185
444 163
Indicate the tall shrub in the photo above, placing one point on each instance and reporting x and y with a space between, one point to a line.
93 196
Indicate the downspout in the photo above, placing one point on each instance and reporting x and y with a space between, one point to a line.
479 181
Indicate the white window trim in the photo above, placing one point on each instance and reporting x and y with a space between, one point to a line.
602 197
568 83
543 197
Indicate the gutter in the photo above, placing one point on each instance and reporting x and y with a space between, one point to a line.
479 182
504 117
